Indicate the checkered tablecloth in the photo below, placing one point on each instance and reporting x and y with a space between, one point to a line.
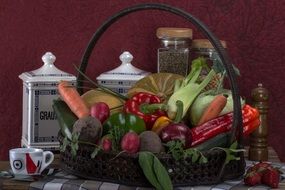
78 184
58 180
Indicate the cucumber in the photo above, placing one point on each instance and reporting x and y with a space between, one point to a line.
65 117
219 140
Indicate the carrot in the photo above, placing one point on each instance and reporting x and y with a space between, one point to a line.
72 98
214 109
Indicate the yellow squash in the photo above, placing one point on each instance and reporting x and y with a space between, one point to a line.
96 95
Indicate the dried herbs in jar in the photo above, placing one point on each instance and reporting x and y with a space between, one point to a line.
173 55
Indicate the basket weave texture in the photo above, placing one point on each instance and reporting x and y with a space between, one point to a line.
124 168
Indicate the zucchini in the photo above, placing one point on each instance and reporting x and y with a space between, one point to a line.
65 117
219 140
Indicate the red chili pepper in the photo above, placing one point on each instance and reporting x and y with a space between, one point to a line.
146 106
222 124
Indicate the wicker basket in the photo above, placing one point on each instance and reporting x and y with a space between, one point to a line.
124 169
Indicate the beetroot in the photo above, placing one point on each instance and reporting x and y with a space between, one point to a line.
100 110
130 142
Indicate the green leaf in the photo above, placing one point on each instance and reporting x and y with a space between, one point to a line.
175 148
64 144
116 134
195 156
73 150
74 143
162 174
75 136
146 163
95 152
234 145
203 159
231 152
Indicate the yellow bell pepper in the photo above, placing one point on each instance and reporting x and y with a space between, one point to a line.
160 123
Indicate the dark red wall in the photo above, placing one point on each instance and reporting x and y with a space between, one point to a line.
254 30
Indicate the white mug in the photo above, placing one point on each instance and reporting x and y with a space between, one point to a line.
29 161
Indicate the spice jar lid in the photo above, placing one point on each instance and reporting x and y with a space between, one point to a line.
48 72
165 32
205 43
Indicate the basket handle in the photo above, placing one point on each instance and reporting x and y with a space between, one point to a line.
237 121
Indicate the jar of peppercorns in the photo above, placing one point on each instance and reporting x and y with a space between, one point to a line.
173 55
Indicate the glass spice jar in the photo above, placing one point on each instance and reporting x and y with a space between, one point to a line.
204 48
173 55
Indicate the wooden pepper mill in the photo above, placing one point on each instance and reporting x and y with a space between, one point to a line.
258 149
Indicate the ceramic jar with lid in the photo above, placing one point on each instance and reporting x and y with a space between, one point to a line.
173 53
39 122
123 77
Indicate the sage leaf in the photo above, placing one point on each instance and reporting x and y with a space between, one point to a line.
162 174
146 163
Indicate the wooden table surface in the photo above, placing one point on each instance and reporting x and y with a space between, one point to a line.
10 184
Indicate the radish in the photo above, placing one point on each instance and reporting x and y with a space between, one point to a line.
100 110
106 144
130 142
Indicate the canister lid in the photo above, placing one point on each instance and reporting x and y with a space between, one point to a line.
48 72
125 72
205 43
166 32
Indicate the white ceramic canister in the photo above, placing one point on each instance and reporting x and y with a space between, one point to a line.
123 77
39 122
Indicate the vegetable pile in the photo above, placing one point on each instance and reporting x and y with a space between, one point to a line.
185 123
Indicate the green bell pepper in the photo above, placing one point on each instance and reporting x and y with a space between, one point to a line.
125 121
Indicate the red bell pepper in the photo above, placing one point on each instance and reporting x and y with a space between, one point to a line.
145 105
205 131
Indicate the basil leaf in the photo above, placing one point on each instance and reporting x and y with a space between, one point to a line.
146 163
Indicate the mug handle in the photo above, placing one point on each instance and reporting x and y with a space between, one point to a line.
46 163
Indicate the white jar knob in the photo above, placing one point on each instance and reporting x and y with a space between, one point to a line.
126 57
48 58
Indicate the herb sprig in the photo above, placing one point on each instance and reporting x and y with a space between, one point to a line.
176 149
74 145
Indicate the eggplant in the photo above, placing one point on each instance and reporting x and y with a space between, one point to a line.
177 131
